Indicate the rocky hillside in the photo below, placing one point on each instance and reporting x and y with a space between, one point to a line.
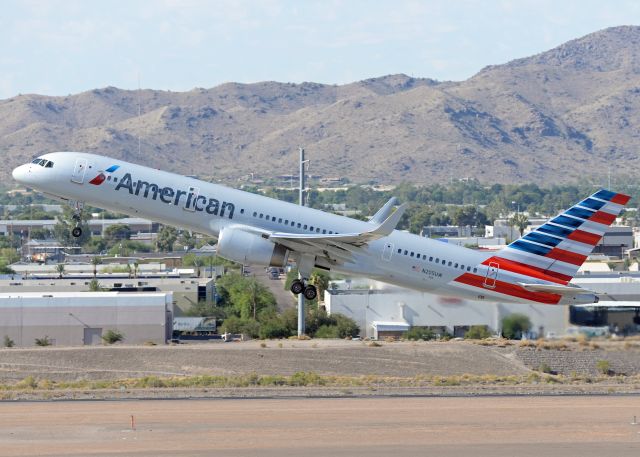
561 115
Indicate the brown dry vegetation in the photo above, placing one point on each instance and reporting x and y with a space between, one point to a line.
552 117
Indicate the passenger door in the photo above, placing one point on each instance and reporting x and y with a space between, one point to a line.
492 275
79 171
387 251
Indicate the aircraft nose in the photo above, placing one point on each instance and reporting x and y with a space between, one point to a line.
21 173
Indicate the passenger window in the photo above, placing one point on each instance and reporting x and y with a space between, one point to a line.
273 218
279 220
411 255
317 230
242 211
431 259
449 264
324 231
261 215
399 251
286 222
299 225
455 266
475 270
468 268
424 257
406 252
305 226
255 214
462 267
311 228
443 261
437 260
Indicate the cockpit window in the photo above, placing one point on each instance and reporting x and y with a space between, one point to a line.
43 162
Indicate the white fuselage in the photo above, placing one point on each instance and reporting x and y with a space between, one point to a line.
401 258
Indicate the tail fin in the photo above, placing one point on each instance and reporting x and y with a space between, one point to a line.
556 250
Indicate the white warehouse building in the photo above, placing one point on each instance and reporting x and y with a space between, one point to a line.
391 311
82 318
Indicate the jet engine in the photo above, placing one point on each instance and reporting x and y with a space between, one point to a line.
250 248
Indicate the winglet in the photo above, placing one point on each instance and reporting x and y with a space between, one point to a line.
383 213
390 222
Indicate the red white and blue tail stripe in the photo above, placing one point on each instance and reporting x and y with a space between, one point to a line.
556 250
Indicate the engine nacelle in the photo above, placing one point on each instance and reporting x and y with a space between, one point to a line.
250 249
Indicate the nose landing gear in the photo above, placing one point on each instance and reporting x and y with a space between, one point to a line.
76 232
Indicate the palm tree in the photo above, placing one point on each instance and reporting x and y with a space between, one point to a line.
60 270
520 221
95 261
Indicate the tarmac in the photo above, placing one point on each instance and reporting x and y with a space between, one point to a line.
473 426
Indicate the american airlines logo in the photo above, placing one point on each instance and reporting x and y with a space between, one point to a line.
190 200
101 177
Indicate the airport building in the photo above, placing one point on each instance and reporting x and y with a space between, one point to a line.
381 310
185 292
83 318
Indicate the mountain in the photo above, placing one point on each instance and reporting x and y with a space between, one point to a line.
559 116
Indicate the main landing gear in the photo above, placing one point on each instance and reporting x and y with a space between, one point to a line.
76 232
308 290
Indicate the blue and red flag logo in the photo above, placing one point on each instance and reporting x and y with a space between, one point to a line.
101 177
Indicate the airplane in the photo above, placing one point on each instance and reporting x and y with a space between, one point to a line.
257 230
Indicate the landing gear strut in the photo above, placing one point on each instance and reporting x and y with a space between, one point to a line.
76 232
308 290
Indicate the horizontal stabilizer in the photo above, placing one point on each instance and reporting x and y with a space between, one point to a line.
556 289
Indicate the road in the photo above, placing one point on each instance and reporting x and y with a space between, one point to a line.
474 426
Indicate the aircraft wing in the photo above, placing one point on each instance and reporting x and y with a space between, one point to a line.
338 246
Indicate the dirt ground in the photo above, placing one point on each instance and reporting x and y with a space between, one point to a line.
488 426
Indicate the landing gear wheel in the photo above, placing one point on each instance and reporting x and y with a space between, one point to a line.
310 292
76 232
297 287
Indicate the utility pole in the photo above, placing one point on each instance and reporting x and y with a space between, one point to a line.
301 314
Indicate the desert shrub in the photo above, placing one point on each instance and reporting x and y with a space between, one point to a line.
419 333
514 325
274 328
112 336
374 344
45 341
545 368
28 383
603 366
327 331
8 342
478 332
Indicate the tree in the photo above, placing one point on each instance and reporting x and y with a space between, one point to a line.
519 221
246 297
187 239
116 233
167 236
514 325
468 215
60 270
95 261
321 280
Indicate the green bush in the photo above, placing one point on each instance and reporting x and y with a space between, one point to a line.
112 336
514 325
8 342
233 324
478 332
327 331
43 341
419 333
603 366
545 368
274 328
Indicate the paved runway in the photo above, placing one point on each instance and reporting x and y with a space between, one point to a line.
488 426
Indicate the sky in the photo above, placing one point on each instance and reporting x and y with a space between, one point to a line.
64 47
